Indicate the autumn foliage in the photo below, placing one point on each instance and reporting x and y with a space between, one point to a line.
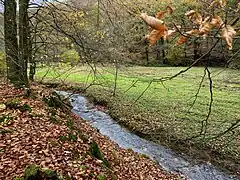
203 25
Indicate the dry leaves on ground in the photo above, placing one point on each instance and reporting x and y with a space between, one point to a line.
36 134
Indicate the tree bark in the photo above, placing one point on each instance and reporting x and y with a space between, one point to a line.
163 51
11 42
24 40
32 68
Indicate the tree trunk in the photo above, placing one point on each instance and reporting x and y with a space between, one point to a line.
32 70
163 51
32 62
24 40
11 43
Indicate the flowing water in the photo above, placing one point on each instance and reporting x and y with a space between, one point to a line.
166 158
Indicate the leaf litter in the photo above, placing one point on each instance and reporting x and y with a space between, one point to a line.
61 141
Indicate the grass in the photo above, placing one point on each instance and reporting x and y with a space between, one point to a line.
163 111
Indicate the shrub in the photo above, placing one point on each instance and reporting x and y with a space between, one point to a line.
175 56
70 56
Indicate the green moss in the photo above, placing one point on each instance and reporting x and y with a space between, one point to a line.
18 178
54 119
96 152
5 131
101 177
13 103
34 172
63 138
26 107
4 119
50 174
83 137
31 172
72 136
83 167
67 177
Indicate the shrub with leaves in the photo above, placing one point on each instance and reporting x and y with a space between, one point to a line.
70 56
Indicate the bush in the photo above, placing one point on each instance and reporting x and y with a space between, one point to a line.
235 59
70 56
175 56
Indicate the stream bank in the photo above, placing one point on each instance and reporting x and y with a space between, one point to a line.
166 158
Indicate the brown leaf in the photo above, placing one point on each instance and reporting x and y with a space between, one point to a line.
2 145
194 16
217 21
228 33
218 3
170 33
160 14
181 40
193 32
35 140
205 28
190 13
155 35
152 21
169 9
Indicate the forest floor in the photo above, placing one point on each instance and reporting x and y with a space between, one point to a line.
167 112
32 132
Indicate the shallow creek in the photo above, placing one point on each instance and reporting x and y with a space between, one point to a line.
166 158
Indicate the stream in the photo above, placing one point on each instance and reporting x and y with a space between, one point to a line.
165 157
